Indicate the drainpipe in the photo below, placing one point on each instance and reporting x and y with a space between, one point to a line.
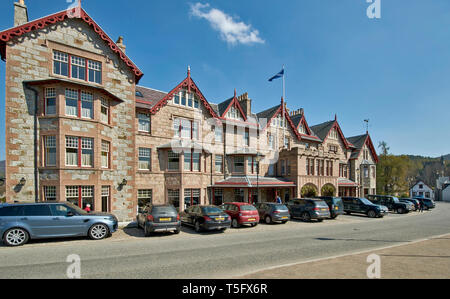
36 142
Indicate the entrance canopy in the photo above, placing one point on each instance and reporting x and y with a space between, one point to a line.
253 182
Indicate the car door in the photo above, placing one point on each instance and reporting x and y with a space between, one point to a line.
38 219
297 208
66 221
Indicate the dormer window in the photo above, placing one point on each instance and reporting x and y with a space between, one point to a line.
302 129
139 94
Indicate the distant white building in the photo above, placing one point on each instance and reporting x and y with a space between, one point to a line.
443 188
420 189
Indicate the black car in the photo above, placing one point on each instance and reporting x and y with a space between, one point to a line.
413 201
158 218
204 217
363 206
307 209
391 202
334 204
271 212
427 203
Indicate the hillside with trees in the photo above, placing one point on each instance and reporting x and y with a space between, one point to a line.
396 173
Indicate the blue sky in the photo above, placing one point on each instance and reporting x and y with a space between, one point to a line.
393 71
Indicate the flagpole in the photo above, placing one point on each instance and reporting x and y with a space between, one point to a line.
283 110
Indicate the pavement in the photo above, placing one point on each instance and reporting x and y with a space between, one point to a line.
236 252
425 259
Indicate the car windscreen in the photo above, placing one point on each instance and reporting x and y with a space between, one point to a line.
247 208
279 208
211 210
164 210
366 201
395 199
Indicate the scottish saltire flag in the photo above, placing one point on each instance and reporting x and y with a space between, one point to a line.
279 75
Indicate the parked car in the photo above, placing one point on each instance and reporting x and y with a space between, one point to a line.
20 222
414 202
241 213
334 204
307 209
427 203
159 218
391 202
204 217
272 212
364 206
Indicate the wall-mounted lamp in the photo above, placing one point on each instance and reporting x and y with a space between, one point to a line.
123 183
22 181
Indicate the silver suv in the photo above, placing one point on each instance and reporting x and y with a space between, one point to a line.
20 222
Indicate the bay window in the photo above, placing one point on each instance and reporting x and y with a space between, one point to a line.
95 71
79 151
87 105
104 111
50 101
219 163
50 193
50 150
71 102
87 152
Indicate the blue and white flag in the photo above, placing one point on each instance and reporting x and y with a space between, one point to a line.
279 75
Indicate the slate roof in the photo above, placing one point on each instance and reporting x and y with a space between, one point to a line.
321 130
358 141
149 96
296 119
269 113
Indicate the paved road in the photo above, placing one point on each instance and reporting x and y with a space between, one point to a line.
219 255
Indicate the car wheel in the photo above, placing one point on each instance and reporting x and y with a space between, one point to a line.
177 231
197 226
371 214
400 211
16 237
333 216
254 224
235 223
98 231
319 220
306 217
268 220
348 213
283 222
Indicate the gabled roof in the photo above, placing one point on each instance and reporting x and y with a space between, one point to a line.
359 142
227 104
323 130
189 84
268 113
76 12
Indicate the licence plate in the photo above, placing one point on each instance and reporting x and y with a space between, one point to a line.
220 219
251 219
284 217
164 219
323 210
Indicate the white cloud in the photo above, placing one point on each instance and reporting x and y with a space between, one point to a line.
231 31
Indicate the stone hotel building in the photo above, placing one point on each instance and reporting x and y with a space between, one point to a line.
80 128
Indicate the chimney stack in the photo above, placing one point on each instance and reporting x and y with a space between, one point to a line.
246 103
120 44
20 13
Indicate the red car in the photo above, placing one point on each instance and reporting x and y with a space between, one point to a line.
241 213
